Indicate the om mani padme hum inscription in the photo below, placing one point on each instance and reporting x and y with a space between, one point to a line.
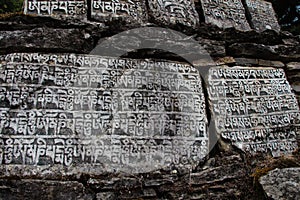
122 114
255 109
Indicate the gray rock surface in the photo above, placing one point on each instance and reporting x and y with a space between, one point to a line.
46 39
262 15
225 14
282 184
42 189
245 103
174 13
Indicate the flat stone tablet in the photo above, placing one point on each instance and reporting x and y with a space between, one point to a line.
70 8
174 12
111 113
225 14
255 109
131 11
262 14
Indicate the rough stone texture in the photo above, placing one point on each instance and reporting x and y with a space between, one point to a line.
41 189
46 39
255 109
227 173
128 11
213 47
75 9
258 62
119 114
293 73
174 12
262 15
282 184
225 14
275 52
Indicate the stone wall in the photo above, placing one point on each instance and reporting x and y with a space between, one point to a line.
45 54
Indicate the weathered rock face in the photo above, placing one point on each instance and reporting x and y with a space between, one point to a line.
116 114
174 12
255 109
282 183
262 15
225 14
77 126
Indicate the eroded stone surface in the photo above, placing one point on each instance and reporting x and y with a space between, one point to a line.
131 11
173 12
262 14
74 8
225 14
42 189
115 114
255 109
282 184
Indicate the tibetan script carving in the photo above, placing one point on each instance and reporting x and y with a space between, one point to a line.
56 7
172 12
255 109
262 15
225 13
128 10
129 115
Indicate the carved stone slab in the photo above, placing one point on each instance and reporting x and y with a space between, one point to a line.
173 12
225 13
255 109
133 11
117 114
262 14
75 8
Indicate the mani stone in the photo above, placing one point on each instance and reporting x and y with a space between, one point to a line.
254 109
73 8
112 113
173 12
262 15
225 14
131 11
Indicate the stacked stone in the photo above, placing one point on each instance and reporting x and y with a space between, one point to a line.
78 126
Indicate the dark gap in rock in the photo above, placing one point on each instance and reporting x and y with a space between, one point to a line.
247 13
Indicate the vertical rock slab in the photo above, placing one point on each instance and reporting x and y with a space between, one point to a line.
262 15
225 14
174 12
255 109
131 11
68 8
100 113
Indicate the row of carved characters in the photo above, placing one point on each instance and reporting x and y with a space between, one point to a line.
232 10
277 148
283 119
241 88
259 104
102 123
98 77
116 7
67 7
120 99
261 134
174 12
239 73
92 61
129 151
